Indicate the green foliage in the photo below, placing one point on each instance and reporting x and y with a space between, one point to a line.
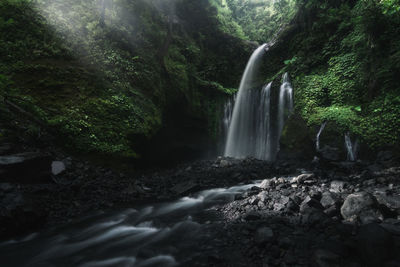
98 84
345 70
262 19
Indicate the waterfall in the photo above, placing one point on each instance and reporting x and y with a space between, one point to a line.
241 134
285 105
351 148
255 125
317 146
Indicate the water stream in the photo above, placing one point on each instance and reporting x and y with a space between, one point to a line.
351 147
317 143
163 234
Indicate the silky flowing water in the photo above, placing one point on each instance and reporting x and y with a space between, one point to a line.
163 234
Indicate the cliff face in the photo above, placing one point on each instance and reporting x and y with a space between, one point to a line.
149 78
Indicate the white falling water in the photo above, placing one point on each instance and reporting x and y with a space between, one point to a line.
242 134
263 141
317 145
227 118
253 130
351 148
285 105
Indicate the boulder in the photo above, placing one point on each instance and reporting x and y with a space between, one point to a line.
57 167
30 167
361 206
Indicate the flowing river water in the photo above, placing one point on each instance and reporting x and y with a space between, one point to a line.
163 234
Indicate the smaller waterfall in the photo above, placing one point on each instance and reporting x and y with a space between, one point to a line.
227 117
317 146
351 148
285 106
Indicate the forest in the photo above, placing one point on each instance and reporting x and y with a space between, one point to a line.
199 132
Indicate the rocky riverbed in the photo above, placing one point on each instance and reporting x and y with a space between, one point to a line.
324 213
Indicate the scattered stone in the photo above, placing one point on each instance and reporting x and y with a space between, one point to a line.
330 199
310 203
57 167
302 178
267 183
337 186
224 163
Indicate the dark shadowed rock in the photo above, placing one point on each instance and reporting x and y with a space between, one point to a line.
185 187
30 167
309 203
325 258
362 206
252 216
374 244
264 235
391 201
330 153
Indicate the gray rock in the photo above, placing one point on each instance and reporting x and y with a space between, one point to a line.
337 186
267 183
263 197
361 206
224 163
302 178
57 167
264 235
330 199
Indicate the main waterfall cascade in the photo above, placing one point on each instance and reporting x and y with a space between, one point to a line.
256 125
